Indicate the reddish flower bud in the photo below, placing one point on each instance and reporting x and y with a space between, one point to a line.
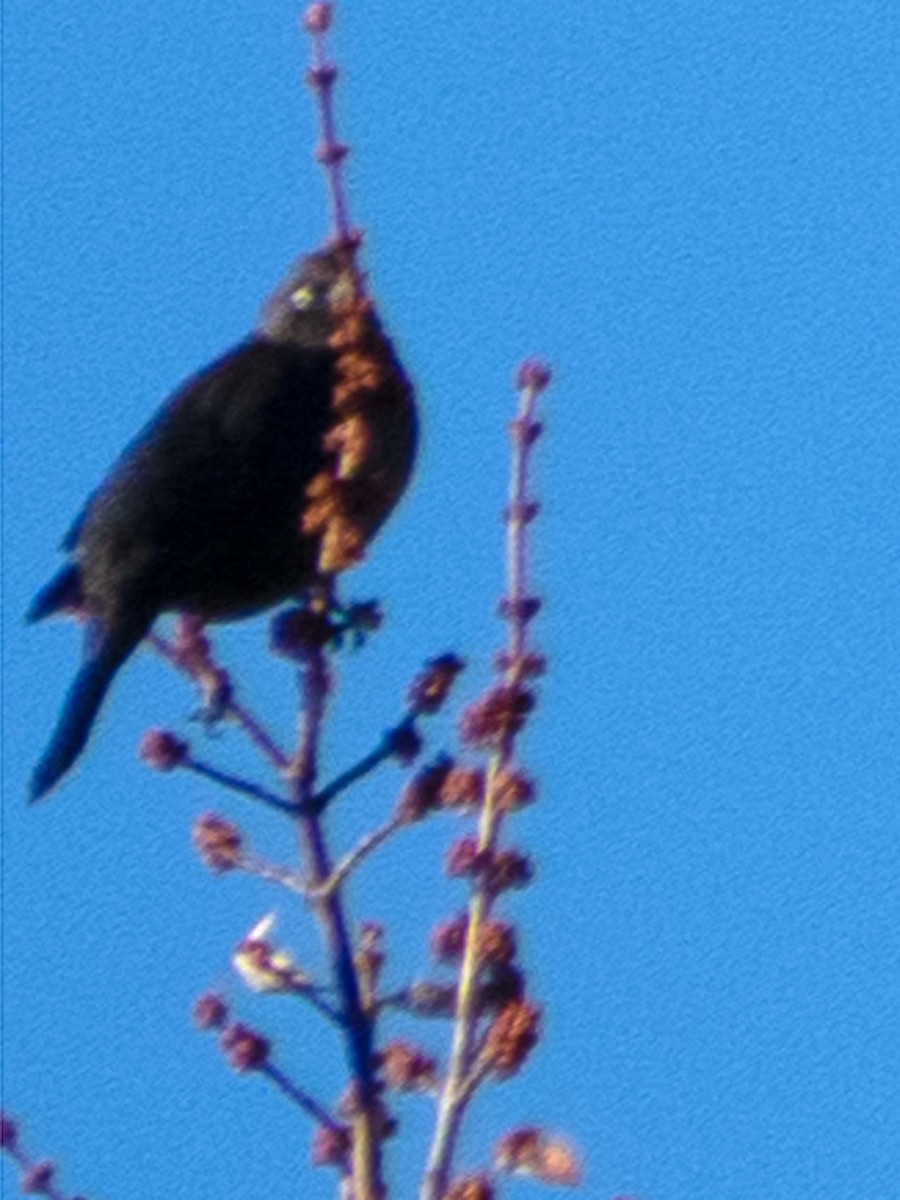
422 794
512 790
470 1187
531 1151
246 1049
190 640
507 869
511 1038
317 18
329 154
210 1011
463 788
162 750
533 373
331 1146
500 869
429 690
497 943
322 77
9 1132
523 511
525 431
522 610
496 716
463 858
37 1180
407 1068
448 938
218 842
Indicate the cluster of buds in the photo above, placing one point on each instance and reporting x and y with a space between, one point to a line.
532 1152
512 1036
407 1068
499 870
497 716
445 785
490 994
496 941
245 1048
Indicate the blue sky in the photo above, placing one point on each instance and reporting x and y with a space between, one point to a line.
690 208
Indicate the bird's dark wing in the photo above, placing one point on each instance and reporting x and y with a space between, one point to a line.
258 394
205 505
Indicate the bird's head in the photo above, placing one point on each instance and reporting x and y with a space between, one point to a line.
302 309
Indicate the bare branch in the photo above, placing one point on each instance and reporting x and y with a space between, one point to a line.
236 783
497 723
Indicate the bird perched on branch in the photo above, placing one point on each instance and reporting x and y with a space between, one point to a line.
262 476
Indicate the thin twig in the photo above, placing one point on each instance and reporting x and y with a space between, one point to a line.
273 874
235 783
362 850
300 1097
34 1171
257 733
332 151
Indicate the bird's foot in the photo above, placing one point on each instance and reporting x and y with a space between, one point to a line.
218 694
355 622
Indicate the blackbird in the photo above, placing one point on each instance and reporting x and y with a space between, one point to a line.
263 474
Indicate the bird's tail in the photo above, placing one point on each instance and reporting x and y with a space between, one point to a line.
106 651
62 592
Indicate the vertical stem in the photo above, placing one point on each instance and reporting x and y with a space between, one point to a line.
332 150
358 1032
456 1093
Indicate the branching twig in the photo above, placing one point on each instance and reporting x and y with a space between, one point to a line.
366 1117
351 861
385 749
37 1176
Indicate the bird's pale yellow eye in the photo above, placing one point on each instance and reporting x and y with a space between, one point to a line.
303 296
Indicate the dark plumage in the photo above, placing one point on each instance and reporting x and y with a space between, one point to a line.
204 511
